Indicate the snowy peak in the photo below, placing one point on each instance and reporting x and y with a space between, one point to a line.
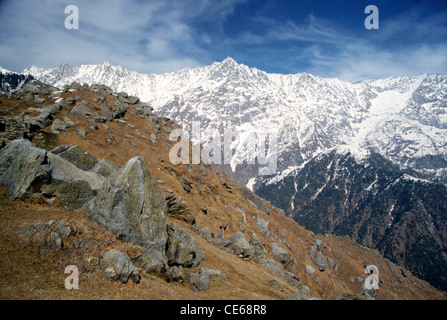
402 118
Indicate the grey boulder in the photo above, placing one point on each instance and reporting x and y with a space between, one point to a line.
238 245
282 256
182 249
131 205
117 266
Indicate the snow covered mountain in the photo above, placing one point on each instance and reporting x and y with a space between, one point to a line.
12 81
403 119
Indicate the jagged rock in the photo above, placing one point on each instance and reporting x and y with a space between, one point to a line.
71 185
64 229
274 283
394 269
100 99
67 101
144 109
180 211
215 273
310 270
262 225
331 262
272 266
31 88
282 256
254 199
36 118
117 266
181 247
200 280
133 100
259 251
79 157
56 238
74 85
23 169
28 172
303 293
119 109
69 123
82 109
404 272
106 112
153 262
58 126
101 88
238 245
318 258
320 261
82 132
292 279
37 99
204 232
153 138
131 205
12 129
175 274
104 168
318 244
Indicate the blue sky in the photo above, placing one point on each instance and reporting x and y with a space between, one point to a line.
322 37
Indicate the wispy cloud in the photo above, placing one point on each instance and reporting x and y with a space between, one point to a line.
166 35
155 36
405 45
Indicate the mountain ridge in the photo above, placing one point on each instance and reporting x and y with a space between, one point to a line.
402 118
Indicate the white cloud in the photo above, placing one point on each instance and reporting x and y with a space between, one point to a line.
151 35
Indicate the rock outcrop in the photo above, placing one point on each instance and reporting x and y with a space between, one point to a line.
181 248
117 266
29 172
131 204
282 256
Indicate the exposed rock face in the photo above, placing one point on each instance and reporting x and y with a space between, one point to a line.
71 185
117 266
199 280
23 169
282 256
131 204
79 157
28 172
303 293
153 262
262 225
272 266
259 251
180 210
238 245
181 248
175 274
318 258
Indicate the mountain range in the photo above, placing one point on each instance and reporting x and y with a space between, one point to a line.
365 159
402 118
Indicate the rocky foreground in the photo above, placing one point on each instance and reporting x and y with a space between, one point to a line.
87 182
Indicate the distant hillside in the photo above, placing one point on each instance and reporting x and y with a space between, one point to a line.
371 200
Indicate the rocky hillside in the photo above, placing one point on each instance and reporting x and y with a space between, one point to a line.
87 182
